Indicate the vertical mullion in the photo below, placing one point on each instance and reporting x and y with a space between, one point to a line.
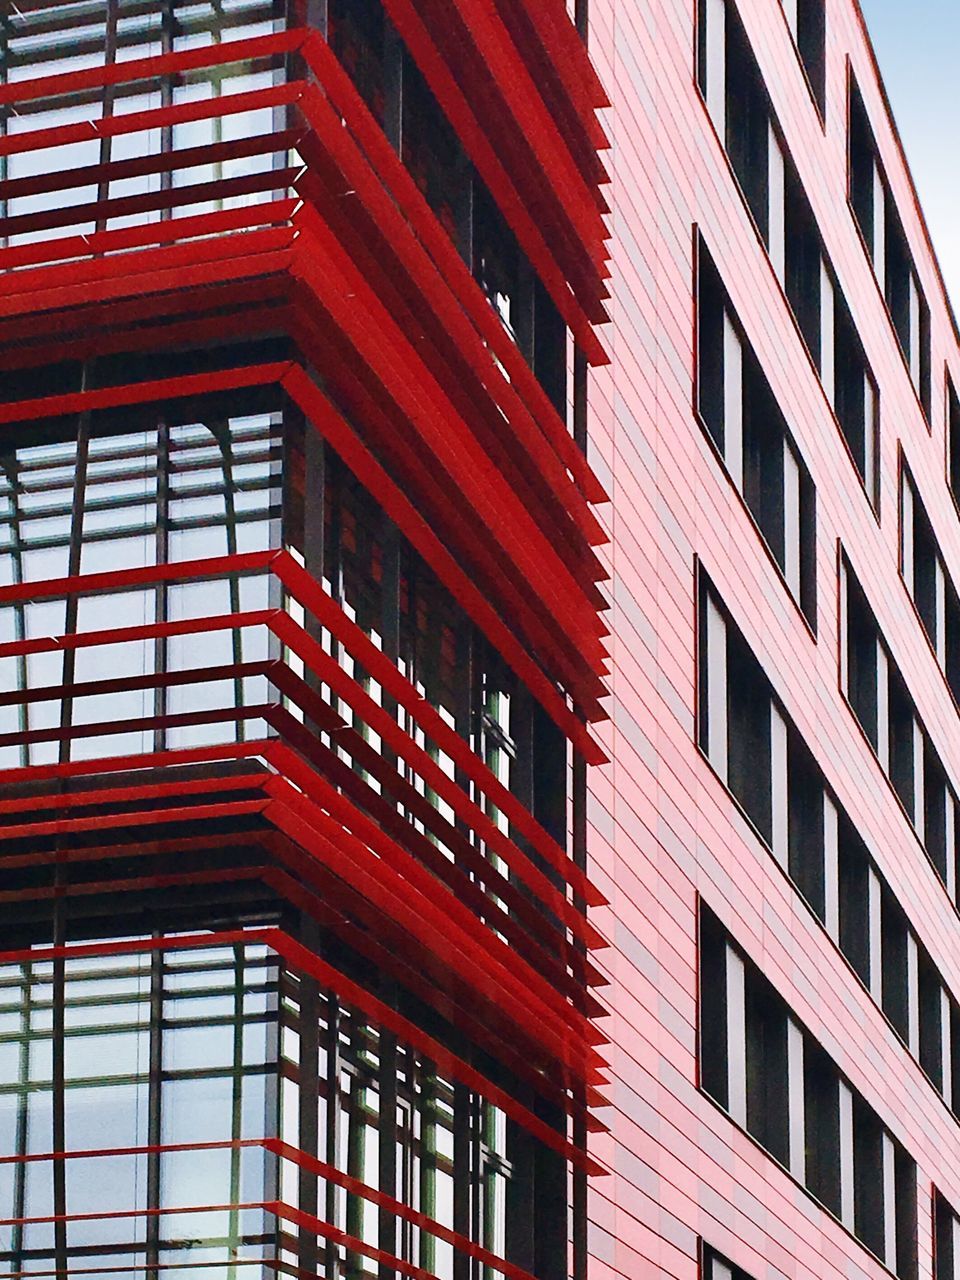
20 609
74 564
236 1134
154 1105
334 1121
463 1170
58 1099
222 434
308 1080
387 1146
22 1134
109 58
162 590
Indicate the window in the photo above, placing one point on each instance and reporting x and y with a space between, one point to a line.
807 22
760 1064
717 1268
748 430
817 844
953 440
735 715
881 702
854 397
736 101
946 1238
876 215
926 578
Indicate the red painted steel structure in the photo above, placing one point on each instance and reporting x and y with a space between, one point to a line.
498 983
217 253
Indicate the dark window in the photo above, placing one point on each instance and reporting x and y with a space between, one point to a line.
810 37
854 893
760 454
767 1105
803 263
855 399
876 1155
861 659
435 157
893 948
868 1176
931 1020
806 823
821 1110
356 30
716 1267
713 1007
861 162
748 723
953 439
902 773
748 121
906 304
946 1234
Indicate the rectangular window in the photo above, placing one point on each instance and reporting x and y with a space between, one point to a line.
716 1267
893 949
748 429
946 1239
953 440
855 400
876 215
926 578
880 700
750 1047
808 26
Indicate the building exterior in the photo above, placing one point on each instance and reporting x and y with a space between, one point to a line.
300 639
777 834
479 647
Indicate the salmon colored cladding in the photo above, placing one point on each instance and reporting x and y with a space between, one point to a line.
671 843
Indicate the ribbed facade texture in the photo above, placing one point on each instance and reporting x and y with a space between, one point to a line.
777 833
300 638
479 647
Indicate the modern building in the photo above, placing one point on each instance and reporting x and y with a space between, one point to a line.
479 647
299 638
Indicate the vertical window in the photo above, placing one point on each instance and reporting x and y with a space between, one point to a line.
762 1067
807 22
745 423
717 1268
946 1239
855 400
876 215
735 714
953 439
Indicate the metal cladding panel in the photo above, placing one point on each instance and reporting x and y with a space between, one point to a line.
663 828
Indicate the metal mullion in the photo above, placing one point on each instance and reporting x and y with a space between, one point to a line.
236 1133
162 596
5 112
59 1076
22 1133
222 431
109 58
73 568
464 1193
309 1098
20 608
334 1121
387 1125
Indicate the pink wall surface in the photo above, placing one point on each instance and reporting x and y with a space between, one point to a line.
663 828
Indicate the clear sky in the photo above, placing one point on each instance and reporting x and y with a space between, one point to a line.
917 43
